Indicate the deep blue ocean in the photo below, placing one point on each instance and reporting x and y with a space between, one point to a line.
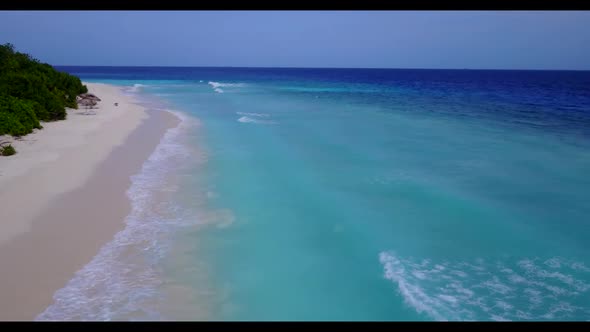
351 194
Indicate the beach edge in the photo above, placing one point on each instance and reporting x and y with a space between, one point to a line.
63 231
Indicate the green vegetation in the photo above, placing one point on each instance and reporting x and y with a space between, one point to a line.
7 150
17 116
31 91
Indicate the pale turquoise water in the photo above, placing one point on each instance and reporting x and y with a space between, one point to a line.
364 197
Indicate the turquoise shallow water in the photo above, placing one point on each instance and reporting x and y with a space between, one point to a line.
356 195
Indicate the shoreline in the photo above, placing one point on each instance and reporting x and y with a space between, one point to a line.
66 196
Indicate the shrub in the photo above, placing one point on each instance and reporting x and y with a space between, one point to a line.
55 107
10 125
33 91
7 150
41 112
17 116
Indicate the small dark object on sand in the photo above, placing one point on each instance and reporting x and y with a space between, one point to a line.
116 104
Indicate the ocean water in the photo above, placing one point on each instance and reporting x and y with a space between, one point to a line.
350 194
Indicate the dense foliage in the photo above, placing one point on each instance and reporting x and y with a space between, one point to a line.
31 91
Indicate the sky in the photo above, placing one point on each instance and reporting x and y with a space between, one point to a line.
348 39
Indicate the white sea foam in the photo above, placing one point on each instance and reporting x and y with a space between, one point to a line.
496 286
218 85
448 298
412 293
498 318
553 263
260 115
223 85
246 119
479 290
579 267
136 87
121 281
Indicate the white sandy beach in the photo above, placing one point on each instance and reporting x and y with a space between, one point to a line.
62 156
63 195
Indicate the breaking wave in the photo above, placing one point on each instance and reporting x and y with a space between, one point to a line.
261 115
246 119
217 86
524 289
122 280
136 88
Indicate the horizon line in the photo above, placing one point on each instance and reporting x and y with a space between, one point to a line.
262 67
